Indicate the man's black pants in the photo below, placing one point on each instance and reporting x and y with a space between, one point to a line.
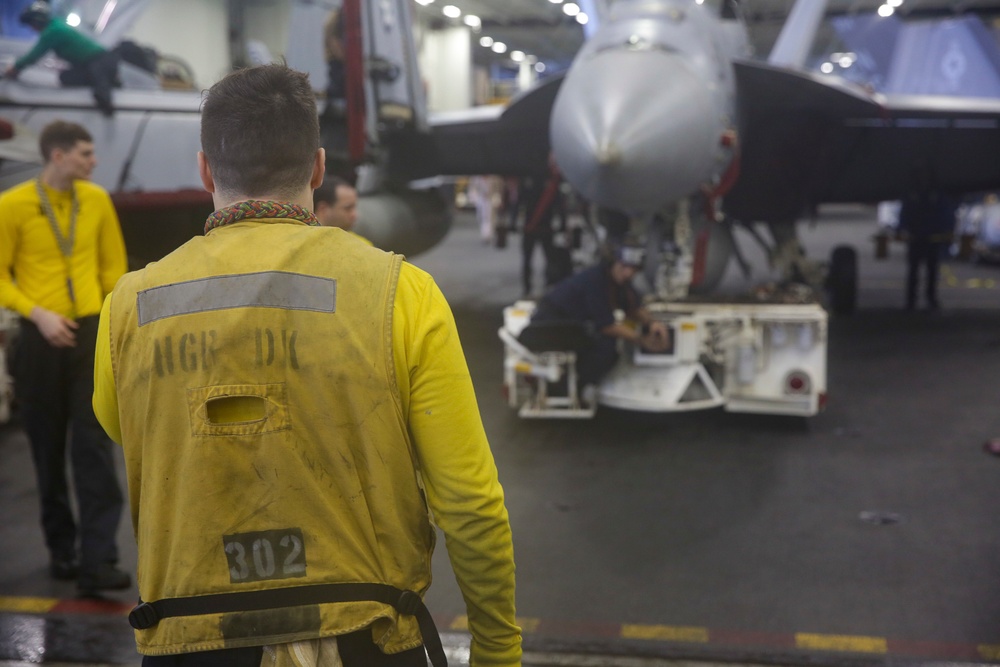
926 253
54 388
356 650
529 239
100 73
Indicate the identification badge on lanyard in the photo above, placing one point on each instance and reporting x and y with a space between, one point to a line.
65 242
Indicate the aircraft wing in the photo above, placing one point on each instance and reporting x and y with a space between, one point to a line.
507 141
808 139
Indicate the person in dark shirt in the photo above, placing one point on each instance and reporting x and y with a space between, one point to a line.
926 221
333 50
90 63
545 221
591 298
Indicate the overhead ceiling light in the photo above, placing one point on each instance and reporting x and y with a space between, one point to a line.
472 21
499 47
571 9
539 67
451 11
73 19
885 10
424 2
517 56
486 41
555 2
582 18
106 12
826 68
894 3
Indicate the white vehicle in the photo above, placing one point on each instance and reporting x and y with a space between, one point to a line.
767 358
8 328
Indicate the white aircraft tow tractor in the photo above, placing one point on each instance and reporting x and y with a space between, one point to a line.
757 357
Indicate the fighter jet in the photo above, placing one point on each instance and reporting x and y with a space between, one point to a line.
663 115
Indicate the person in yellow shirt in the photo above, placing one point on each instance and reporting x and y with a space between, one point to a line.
61 252
297 416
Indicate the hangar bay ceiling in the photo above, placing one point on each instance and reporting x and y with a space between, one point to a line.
543 29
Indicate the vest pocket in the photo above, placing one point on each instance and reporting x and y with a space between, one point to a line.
238 409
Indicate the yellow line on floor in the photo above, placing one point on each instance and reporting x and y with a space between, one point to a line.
665 633
851 643
27 605
951 280
989 651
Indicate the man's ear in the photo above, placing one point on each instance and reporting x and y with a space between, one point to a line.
205 172
56 156
319 169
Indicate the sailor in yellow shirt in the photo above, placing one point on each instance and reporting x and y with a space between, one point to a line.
61 252
296 414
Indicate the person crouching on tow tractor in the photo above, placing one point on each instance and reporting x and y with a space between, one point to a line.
591 298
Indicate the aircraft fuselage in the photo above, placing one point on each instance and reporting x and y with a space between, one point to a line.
646 113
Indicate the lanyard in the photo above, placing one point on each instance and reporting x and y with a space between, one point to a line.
65 243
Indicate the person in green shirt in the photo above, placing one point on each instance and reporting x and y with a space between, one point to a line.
90 63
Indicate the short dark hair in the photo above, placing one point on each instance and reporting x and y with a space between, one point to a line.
260 131
327 191
37 14
63 135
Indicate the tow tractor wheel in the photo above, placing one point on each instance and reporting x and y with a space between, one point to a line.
842 280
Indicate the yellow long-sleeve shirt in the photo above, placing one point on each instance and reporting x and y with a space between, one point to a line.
458 469
33 270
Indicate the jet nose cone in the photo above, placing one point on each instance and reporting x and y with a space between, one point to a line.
635 130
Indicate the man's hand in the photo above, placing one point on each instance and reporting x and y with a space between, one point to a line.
10 73
57 330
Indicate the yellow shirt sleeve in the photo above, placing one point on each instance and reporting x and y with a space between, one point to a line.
456 464
105 393
112 260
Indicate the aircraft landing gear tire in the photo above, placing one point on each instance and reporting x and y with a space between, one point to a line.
842 280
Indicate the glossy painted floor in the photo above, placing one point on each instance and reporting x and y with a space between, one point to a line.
866 535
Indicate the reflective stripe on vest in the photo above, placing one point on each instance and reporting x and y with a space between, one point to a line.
269 289
265 441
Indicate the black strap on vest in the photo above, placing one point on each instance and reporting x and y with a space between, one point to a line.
147 614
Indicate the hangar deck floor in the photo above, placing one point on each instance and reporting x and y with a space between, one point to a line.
702 536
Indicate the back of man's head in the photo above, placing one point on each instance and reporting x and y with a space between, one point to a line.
62 135
260 131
